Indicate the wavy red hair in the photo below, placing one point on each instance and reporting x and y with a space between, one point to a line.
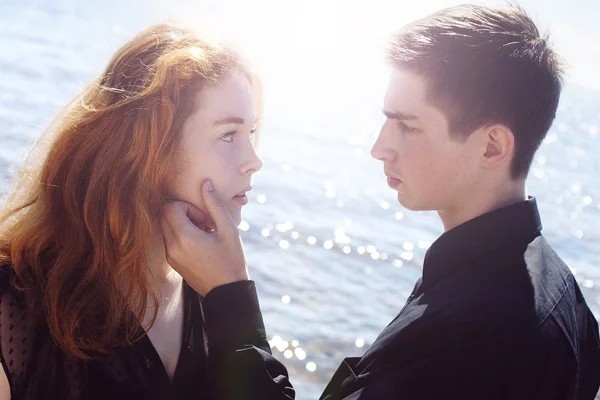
75 229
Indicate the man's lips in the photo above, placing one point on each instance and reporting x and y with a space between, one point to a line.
393 182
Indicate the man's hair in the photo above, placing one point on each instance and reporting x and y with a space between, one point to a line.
485 65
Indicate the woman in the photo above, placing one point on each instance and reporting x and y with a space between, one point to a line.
90 307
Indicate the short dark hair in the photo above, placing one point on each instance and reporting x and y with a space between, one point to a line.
485 64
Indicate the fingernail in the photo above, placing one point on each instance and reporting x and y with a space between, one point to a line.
208 186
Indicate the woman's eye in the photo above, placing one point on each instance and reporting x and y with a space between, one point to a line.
228 137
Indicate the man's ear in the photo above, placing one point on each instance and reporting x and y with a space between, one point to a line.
499 146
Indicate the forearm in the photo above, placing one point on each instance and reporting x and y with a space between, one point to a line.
240 359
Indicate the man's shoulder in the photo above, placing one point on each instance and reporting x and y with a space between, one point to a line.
525 286
540 301
544 263
519 289
553 285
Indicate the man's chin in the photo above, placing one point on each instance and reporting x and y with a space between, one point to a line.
411 204
404 201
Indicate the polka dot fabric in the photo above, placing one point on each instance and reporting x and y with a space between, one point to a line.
37 369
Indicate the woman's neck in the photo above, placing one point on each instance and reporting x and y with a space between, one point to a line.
161 276
162 279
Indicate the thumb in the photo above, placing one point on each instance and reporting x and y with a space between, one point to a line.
195 214
216 208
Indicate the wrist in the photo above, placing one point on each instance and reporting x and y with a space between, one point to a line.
233 319
225 282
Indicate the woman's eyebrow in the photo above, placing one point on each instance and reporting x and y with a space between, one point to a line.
230 120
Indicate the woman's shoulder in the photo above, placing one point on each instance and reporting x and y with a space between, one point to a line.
16 333
11 299
23 344
5 275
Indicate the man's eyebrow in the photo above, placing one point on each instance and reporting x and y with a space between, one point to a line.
400 115
230 120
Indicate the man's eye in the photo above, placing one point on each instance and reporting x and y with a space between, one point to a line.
228 137
406 128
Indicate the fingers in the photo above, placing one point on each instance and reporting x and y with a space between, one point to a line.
196 215
168 234
216 208
179 220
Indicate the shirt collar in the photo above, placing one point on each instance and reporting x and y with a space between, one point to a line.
517 223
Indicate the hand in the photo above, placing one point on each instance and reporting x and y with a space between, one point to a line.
205 258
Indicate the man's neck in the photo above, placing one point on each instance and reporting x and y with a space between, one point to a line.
483 202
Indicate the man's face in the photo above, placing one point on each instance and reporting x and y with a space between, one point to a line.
428 169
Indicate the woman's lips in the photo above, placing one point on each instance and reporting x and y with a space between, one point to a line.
241 200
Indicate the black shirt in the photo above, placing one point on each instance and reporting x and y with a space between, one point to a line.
37 369
496 315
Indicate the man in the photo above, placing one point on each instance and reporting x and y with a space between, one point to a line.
497 314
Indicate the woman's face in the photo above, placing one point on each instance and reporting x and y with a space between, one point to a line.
217 143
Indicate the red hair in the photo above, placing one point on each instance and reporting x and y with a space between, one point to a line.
76 228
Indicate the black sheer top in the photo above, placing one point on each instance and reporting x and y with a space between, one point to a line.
37 369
